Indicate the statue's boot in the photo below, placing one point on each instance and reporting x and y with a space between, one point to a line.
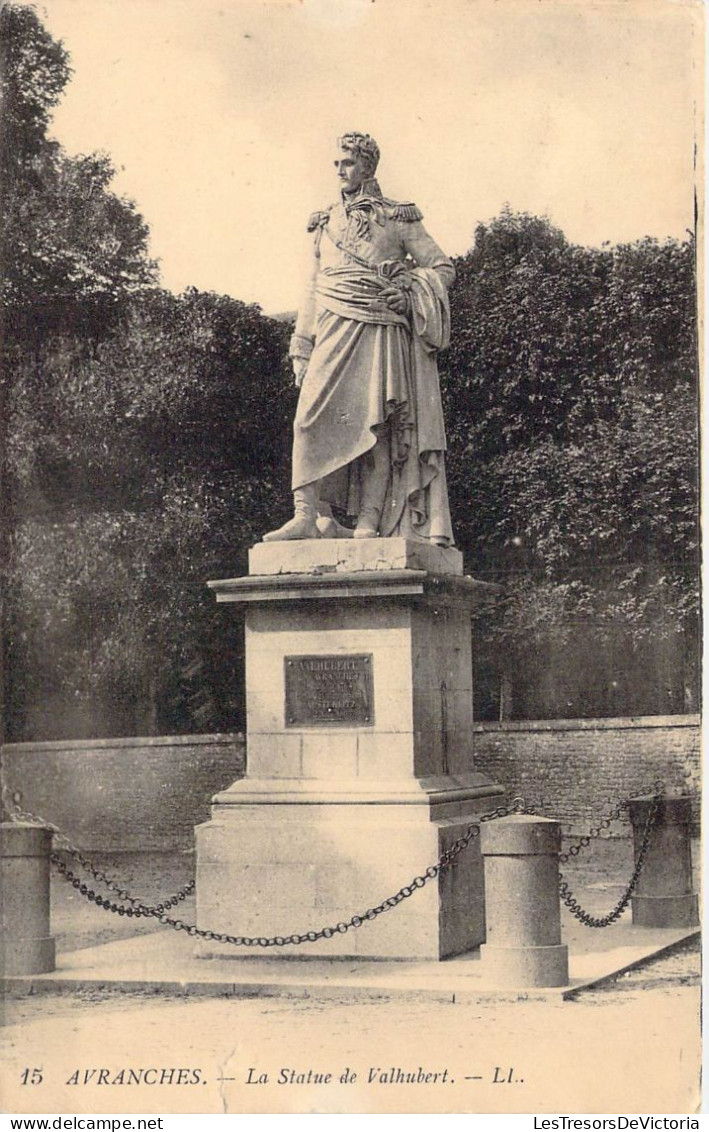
374 492
328 525
368 523
303 524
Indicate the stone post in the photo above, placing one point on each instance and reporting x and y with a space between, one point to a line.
26 946
664 897
521 866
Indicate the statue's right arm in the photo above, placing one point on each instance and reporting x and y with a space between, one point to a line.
303 339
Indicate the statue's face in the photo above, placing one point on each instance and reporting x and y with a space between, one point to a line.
351 169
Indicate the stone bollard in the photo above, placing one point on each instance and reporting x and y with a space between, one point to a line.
523 947
26 947
663 897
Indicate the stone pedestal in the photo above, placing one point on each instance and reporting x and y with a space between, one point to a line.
359 759
663 897
523 948
26 946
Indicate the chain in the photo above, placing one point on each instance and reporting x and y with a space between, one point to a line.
615 814
583 842
169 902
61 841
580 913
159 913
137 908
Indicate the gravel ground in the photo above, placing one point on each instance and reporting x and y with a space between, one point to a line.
633 1047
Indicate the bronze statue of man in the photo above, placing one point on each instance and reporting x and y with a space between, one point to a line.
368 436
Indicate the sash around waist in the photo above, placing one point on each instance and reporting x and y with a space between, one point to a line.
353 292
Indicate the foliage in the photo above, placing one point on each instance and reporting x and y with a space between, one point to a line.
175 390
146 435
34 70
70 241
139 473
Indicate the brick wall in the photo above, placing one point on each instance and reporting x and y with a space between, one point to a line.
124 794
574 770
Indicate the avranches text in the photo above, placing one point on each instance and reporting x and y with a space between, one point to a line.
137 1076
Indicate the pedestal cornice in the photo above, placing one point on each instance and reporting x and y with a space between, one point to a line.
359 585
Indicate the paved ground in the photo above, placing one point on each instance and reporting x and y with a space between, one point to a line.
633 1047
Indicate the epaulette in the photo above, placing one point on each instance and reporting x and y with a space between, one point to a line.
409 212
317 219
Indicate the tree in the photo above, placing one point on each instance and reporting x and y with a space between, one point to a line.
35 70
71 249
571 389
143 470
148 438
134 466
74 257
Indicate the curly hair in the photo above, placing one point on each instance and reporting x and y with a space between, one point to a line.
362 145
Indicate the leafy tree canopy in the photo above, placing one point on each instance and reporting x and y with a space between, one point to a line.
34 71
72 251
571 388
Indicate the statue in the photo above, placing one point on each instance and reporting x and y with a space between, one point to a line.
368 433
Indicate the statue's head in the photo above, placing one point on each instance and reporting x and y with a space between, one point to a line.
357 159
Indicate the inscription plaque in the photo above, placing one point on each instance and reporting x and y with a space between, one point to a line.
328 689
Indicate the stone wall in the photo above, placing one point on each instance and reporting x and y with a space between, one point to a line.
574 770
124 794
142 794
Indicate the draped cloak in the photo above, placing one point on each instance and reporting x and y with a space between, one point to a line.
371 368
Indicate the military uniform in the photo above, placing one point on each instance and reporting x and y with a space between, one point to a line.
369 228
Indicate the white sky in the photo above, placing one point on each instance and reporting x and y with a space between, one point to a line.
221 116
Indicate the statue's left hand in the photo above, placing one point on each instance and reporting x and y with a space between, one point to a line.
396 299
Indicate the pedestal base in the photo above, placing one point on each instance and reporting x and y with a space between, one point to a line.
525 966
359 722
27 956
275 861
665 911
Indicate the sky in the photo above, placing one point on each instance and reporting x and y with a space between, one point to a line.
221 118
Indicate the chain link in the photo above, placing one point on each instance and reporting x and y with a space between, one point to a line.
139 909
168 902
585 917
595 832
